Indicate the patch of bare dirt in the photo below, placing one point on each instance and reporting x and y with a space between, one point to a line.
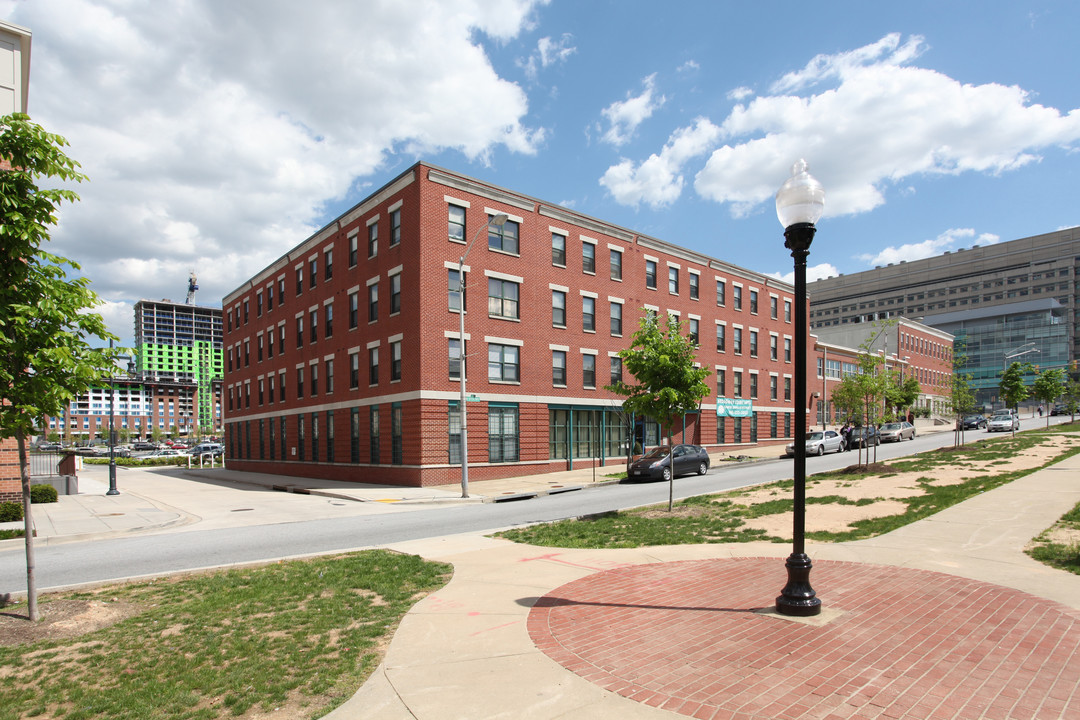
677 512
62 620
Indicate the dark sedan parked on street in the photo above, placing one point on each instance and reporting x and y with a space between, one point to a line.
974 422
863 437
657 464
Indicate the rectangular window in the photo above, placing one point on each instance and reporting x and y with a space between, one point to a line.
372 239
395 361
313 324
354 308
720 427
615 261
736 383
314 437
753 302
454 347
373 302
721 383
313 273
558 249
299 279
373 434
373 366
694 278
328 367
300 331
281 339
299 382
774 347
328 320
258 304
504 238
558 368
270 343
354 370
650 274
281 386
616 370
753 343
281 292
787 311
721 339
354 244
773 383
262 439
270 389
456 223
245 312
772 307
673 280
736 341
395 294
301 439
616 319
261 388
354 435
247 353
721 292
329 436
502 434
502 298
588 258
273 437
787 350
588 371
736 297
395 228
588 314
787 391
284 439
328 264
558 308
396 434
453 431
694 326
503 363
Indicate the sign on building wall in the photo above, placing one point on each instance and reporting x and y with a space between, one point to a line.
733 407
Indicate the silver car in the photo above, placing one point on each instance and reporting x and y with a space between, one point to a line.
897 432
819 443
1003 422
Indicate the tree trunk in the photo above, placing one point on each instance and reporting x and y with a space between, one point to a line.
671 467
28 525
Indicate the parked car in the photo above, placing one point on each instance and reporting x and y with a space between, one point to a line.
215 449
861 437
1003 422
657 464
93 451
167 452
143 446
819 443
50 447
1059 409
897 432
973 422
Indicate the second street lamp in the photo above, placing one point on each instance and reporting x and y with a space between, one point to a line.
498 221
800 202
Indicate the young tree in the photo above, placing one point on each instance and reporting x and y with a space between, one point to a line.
668 385
45 359
961 394
1012 387
900 395
1048 387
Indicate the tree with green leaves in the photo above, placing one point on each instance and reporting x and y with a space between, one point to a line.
668 385
1048 387
961 392
1012 387
45 359
901 394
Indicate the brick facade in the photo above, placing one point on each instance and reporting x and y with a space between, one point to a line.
420 323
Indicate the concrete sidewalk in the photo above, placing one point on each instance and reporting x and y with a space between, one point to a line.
931 644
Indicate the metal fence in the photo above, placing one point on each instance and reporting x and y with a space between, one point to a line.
44 464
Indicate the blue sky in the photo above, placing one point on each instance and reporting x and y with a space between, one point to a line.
218 135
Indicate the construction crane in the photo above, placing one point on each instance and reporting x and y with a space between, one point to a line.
191 288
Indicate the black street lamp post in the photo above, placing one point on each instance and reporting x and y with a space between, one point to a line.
799 204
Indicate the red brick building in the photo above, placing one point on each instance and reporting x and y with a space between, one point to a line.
342 357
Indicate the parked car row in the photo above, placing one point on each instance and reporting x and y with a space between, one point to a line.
1003 421
658 462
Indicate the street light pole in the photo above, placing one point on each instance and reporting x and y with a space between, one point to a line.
112 440
498 221
800 202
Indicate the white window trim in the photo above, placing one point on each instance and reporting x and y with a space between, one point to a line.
563 348
395 206
504 276
456 201
492 340
560 288
374 344
394 271
372 220
515 218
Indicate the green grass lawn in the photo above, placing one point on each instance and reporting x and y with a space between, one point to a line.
1062 554
722 518
300 636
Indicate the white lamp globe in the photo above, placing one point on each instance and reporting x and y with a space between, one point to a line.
801 199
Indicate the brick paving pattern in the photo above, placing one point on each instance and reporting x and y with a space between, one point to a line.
685 637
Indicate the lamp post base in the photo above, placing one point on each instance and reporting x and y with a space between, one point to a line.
798 599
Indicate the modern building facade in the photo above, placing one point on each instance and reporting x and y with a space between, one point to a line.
995 299
181 344
343 357
910 348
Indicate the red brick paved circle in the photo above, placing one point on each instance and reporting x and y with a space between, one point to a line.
684 637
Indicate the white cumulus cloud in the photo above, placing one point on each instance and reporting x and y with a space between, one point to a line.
624 116
948 240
